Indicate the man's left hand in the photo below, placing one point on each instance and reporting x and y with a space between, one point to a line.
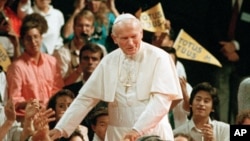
131 136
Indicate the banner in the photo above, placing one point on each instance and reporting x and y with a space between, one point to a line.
188 48
4 58
153 19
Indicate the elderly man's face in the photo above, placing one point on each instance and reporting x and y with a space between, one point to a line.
128 36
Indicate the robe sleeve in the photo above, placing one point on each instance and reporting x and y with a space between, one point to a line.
165 79
156 109
78 109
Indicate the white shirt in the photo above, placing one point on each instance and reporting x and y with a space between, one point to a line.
221 130
96 138
3 88
7 45
181 69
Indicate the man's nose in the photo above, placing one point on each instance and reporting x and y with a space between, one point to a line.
201 102
90 61
130 41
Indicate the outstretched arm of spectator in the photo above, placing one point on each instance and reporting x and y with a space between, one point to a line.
41 125
31 109
185 94
15 41
112 7
68 27
24 8
36 122
9 110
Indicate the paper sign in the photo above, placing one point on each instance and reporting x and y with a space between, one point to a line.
153 19
4 58
188 48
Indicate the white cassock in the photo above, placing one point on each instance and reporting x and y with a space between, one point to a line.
139 96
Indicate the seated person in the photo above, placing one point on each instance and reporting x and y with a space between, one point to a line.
90 56
202 125
59 103
99 123
243 117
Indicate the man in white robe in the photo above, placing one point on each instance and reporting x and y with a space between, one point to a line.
138 80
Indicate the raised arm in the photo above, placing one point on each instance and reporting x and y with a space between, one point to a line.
68 27
9 110
24 8
112 7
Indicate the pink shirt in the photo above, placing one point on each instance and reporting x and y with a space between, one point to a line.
27 80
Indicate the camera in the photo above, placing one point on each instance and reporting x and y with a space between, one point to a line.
3 18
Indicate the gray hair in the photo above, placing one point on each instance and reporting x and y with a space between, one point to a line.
124 18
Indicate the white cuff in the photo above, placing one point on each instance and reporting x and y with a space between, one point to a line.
140 132
62 132
236 44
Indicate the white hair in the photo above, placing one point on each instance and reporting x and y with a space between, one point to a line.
123 17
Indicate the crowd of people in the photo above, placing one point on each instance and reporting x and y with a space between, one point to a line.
90 72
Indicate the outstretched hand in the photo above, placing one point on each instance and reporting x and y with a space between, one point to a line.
133 135
55 134
41 126
9 110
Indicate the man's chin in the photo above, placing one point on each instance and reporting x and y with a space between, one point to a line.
131 52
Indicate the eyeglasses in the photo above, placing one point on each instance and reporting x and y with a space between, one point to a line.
32 38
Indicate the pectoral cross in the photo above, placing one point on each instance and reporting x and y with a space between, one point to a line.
126 87
127 84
